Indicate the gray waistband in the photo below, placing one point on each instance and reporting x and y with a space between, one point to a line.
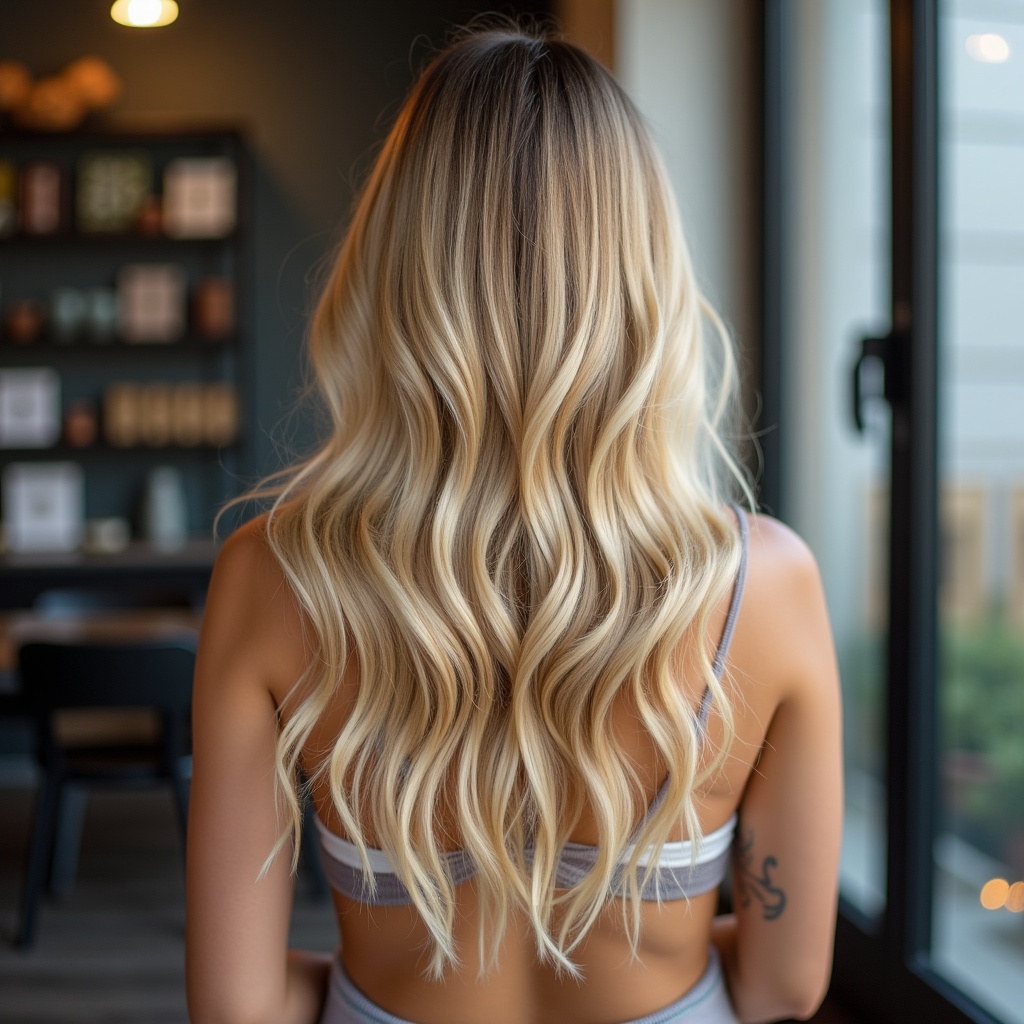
706 1003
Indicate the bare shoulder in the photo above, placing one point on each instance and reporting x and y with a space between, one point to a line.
247 578
253 622
777 548
786 630
246 549
780 564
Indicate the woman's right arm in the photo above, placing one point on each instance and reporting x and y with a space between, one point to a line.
777 945
238 966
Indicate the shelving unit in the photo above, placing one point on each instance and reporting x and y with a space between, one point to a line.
33 266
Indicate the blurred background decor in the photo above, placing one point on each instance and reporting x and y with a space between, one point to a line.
60 102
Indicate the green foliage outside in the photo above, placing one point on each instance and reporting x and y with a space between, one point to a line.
982 739
981 707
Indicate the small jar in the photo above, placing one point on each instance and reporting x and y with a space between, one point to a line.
80 423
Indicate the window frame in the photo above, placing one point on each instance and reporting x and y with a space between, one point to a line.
882 966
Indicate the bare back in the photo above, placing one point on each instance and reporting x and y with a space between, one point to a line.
769 667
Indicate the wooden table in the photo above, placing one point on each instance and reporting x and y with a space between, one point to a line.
23 577
140 625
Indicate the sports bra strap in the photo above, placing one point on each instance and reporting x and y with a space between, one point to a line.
730 620
723 646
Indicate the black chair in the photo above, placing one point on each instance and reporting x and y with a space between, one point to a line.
59 677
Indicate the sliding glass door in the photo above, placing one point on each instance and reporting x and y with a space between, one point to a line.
894 204
978 910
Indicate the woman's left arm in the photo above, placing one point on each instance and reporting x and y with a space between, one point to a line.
238 967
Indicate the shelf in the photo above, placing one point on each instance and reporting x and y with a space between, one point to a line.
198 553
126 133
88 238
34 266
47 348
102 448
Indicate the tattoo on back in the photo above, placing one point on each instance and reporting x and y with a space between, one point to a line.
751 886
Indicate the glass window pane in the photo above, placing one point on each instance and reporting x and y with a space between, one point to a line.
979 856
836 479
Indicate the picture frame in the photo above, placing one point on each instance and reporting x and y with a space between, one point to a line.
43 506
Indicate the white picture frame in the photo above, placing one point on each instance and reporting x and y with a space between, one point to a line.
151 302
200 197
43 506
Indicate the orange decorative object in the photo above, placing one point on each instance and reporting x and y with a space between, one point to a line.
150 221
80 425
52 106
15 84
24 322
213 308
58 103
93 81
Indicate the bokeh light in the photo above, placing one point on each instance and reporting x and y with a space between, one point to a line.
988 48
1015 898
994 893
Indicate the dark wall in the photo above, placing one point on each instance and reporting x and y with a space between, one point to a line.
314 84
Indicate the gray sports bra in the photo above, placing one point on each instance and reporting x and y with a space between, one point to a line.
676 876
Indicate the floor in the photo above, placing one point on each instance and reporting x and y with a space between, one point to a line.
112 951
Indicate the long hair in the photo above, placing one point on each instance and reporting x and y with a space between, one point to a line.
517 518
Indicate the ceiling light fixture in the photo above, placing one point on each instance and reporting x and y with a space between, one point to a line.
144 13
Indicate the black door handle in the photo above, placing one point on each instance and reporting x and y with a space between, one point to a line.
889 350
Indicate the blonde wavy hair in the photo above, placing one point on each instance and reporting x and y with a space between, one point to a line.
519 514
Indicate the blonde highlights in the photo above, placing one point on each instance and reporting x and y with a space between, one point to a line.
518 516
